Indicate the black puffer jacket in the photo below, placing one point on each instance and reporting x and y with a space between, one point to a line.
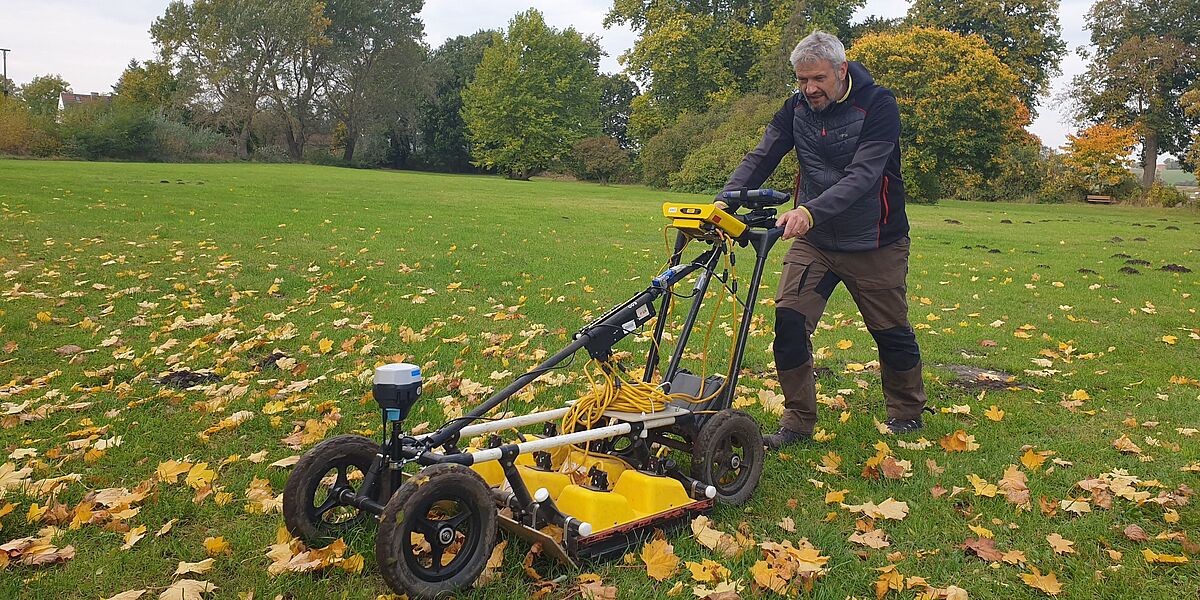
849 165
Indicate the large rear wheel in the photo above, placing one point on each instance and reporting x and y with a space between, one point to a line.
313 508
728 454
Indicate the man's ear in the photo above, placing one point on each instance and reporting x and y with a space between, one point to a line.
843 70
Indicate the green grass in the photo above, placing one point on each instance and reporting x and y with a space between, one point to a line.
127 249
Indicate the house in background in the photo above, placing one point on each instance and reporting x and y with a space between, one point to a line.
68 99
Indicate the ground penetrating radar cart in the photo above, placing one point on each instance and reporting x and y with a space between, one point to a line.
596 479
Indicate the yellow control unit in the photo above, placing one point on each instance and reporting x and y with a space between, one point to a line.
699 219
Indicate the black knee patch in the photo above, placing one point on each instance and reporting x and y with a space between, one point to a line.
898 348
791 339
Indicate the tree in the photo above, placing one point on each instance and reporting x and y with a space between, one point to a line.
41 94
692 54
7 87
150 84
616 102
443 141
234 49
599 158
535 93
957 107
1024 34
1096 159
1144 58
1190 160
374 49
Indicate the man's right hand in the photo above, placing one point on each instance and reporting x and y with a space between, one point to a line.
794 222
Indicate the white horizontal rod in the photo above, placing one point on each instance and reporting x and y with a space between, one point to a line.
510 422
555 442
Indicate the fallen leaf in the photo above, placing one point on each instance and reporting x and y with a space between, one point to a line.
1047 583
199 568
1060 544
187 589
660 559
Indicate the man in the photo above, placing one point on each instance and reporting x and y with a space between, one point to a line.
849 225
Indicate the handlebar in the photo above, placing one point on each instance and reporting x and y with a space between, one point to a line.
756 199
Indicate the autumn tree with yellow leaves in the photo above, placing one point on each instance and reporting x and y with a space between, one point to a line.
957 105
1097 159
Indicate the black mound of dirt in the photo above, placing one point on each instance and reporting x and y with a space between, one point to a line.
974 378
184 379
1129 271
1174 268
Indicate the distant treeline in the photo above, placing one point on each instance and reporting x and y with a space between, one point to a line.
353 82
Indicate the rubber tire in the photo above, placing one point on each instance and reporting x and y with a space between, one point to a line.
302 484
718 431
435 481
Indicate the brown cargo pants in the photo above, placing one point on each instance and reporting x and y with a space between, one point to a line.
876 281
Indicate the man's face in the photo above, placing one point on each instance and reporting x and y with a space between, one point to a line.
821 83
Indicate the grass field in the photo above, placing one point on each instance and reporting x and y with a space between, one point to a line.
115 275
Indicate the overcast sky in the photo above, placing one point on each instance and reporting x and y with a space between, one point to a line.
89 42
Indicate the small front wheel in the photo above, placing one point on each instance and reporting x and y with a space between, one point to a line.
437 532
728 455
313 508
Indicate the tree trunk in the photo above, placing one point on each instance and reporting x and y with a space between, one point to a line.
351 140
295 147
1149 160
243 142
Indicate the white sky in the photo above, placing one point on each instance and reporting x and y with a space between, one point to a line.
89 42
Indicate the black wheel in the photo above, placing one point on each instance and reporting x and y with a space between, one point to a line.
728 454
437 532
312 508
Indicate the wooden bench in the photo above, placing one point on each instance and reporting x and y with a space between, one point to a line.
1095 199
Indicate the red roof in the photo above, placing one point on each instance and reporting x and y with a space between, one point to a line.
69 98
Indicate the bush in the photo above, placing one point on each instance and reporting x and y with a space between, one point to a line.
663 155
177 142
22 133
707 168
1163 194
270 154
94 130
599 159
1020 175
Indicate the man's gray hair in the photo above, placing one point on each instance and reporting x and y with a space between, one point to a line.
819 46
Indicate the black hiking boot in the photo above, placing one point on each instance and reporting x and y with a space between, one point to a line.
784 437
902 426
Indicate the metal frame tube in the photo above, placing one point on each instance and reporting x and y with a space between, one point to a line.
510 422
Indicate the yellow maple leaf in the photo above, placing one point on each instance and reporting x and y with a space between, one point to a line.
982 531
660 559
833 496
1080 395
325 345
216 545
133 535
959 441
200 476
1060 544
200 568
845 345
1047 583
83 515
994 413
889 579
1167 559
170 470
1170 339
1032 460
44 316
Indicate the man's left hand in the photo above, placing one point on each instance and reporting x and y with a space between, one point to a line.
794 222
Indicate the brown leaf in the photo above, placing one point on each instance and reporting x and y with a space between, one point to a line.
67 350
983 548
1135 533
1047 583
